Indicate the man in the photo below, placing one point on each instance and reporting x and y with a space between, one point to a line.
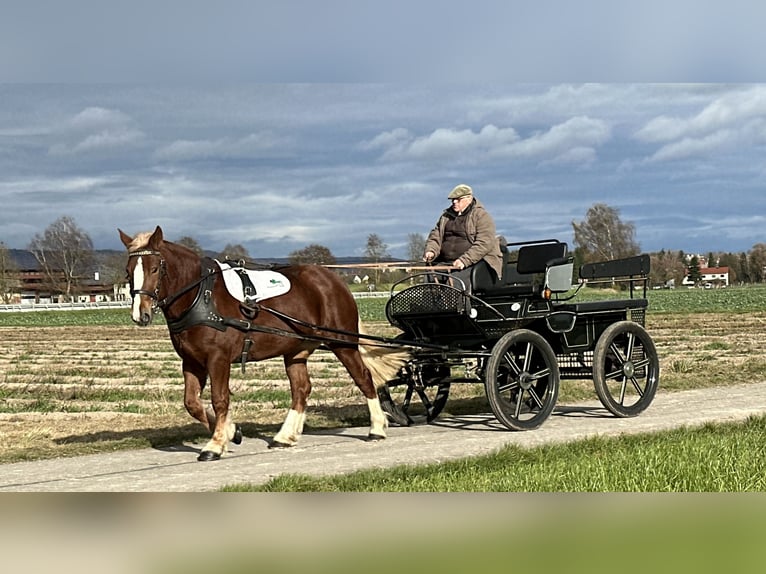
464 236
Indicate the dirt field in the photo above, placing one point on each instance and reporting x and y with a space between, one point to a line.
74 390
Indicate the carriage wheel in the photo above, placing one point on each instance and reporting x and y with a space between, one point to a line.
626 370
408 402
522 380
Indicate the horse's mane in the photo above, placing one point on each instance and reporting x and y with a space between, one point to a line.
140 241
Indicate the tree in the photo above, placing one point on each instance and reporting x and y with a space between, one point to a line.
603 236
9 275
757 260
65 254
693 272
731 261
666 269
191 243
375 249
312 255
744 268
235 252
416 245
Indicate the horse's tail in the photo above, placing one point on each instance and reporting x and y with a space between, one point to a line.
383 362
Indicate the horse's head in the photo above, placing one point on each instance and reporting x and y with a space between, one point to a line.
145 269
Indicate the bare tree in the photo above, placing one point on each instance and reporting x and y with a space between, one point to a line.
757 262
191 243
666 269
375 249
9 275
235 252
603 236
65 254
312 254
416 245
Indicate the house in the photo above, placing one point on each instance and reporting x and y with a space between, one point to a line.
712 276
32 285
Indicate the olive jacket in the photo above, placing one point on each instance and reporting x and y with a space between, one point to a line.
481 231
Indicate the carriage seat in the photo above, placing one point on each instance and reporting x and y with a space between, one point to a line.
519 276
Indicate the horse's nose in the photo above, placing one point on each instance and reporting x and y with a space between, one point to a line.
146 318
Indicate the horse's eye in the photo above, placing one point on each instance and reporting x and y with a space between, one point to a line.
155 269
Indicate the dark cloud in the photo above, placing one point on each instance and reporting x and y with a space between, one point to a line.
278 166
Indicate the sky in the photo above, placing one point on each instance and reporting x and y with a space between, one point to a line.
279 125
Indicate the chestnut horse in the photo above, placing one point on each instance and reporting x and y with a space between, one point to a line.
210 330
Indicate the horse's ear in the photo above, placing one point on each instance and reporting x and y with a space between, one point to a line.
155 241
126 239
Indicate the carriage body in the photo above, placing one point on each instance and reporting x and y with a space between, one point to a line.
521 335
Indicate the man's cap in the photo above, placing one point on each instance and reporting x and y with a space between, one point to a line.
460 191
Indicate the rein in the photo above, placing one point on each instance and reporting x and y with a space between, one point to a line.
248 326
170 299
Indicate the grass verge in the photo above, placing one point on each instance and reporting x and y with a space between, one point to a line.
727 457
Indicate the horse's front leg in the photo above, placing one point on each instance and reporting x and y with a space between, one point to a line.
221 424
194 382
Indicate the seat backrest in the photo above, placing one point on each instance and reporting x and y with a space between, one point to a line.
535 258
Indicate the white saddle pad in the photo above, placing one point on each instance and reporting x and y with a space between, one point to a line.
267 283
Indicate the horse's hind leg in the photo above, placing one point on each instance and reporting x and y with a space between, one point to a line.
352 360
300 389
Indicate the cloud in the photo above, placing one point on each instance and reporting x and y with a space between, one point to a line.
575 140
95 129
252 145
735 118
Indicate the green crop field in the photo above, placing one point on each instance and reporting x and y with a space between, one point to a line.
73 382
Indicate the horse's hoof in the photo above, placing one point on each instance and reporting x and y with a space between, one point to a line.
208 455
277 444
237 439
375 437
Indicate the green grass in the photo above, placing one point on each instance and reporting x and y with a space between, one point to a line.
727 457
731 300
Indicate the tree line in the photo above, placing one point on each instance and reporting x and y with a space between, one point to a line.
66 258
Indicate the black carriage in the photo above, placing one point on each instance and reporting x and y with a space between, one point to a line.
521 335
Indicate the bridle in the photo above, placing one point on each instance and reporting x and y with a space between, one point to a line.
153 295
160 304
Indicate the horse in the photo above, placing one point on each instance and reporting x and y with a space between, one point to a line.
210 330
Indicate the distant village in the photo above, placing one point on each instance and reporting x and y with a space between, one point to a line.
29 284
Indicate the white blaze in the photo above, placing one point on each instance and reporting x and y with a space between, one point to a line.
138 283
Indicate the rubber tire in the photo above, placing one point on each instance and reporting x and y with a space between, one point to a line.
604 353
499 374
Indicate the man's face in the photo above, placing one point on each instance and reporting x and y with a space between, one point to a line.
461 203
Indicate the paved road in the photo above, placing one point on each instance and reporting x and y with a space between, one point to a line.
345 450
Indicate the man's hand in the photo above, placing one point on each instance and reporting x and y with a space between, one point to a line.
457 264
428 256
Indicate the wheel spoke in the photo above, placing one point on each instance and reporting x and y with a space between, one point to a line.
637 386
517 407
528 357
617 353
540 374
614 374
536 398
425 400
507 386
623 386
511 362
407 399
642 363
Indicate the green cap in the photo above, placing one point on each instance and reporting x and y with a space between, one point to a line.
460 191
